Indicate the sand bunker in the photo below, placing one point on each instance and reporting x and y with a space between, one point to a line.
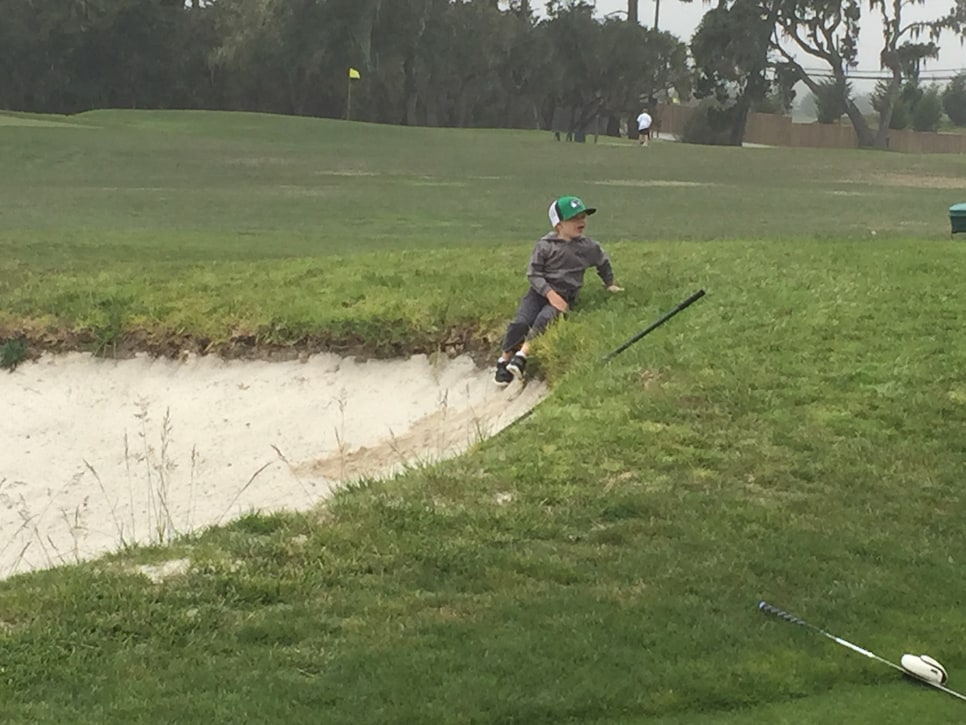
99 453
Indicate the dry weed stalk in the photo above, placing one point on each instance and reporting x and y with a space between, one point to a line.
340 440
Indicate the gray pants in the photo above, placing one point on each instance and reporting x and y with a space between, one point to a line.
533 316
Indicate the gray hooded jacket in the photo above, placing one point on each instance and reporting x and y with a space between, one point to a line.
558 264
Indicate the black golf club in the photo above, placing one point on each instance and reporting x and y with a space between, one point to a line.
654 325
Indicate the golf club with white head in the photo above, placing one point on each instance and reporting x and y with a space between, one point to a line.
922 667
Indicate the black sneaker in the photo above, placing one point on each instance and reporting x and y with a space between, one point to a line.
517 366
503 376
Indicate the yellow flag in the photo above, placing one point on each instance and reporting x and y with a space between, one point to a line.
354 74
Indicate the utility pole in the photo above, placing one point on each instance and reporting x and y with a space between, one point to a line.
657 14
632 11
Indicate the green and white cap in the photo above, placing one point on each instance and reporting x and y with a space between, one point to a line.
567 207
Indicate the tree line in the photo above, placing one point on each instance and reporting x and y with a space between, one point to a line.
749 52
425 62
492 63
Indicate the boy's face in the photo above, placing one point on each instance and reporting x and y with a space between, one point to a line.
573 227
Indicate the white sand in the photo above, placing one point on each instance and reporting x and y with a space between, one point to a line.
97 453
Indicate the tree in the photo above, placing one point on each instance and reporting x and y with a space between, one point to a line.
902 107
608 68
290 56
830 100
828 30
774 103
731 54
22 59
901 57
928 112
955 20
78 54
574 38
522 71
915 106
435 62
641 64
954 100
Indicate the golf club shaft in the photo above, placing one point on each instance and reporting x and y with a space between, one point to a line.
657 323
788 617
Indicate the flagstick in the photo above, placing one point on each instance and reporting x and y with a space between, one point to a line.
348 102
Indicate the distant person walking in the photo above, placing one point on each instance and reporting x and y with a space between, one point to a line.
644 122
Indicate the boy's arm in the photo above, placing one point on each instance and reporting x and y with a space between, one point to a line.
604 269
606 272
536 271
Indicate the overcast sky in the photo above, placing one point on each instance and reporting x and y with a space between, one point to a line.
681 19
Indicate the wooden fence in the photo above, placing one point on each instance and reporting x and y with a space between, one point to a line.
772 130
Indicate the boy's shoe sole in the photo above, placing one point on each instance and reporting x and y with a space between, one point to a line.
517 366
503 375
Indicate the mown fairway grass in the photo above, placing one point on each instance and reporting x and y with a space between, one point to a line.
797 435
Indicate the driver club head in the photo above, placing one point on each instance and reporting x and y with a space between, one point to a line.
924 667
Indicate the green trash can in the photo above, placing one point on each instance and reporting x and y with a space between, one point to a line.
957 218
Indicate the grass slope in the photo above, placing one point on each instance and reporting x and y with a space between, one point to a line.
794 436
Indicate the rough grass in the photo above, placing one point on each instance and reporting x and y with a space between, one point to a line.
794 436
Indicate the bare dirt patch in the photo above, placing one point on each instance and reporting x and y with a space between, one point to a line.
647 183
348 172
159 573
915 181
39 338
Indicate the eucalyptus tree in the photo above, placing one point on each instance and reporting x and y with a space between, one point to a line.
460 65
406 39
954 20
577 61
731 51
521 8
439 62
523 68
23 60
73 55
292 56
643 64
828 30
607 68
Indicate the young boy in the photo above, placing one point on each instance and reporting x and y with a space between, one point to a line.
556 274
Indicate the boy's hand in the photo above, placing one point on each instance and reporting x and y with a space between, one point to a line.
615 288
558 302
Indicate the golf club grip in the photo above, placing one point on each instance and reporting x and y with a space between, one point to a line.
780 613
693 298
657 323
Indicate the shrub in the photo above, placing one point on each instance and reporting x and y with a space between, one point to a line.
709 125
928 112
12 353
772 103
900 116
954 100
904 106
830 100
